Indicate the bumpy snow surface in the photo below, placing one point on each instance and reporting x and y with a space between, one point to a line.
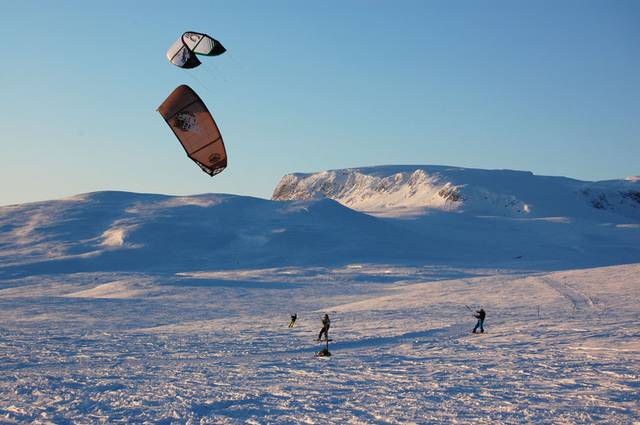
130 308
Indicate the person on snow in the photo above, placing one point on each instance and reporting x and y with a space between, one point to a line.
480 315
294 316
326 323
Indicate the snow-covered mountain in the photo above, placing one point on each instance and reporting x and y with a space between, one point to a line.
411 190
456 215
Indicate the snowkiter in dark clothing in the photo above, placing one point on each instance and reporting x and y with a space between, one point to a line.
294 316
480 314
326 323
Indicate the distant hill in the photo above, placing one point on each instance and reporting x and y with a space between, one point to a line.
394 214
414 190
129 231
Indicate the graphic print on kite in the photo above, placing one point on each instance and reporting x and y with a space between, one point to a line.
195 128
186 121
183 52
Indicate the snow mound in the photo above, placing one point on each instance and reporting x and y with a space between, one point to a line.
126 231
111 290
115 236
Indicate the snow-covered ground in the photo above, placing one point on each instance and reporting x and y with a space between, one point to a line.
214 347
129 308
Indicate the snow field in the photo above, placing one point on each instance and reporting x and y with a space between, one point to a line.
214 347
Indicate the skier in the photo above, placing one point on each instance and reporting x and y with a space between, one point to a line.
480 316
326 323
294 316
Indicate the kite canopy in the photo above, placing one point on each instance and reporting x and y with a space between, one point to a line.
195 128
183 52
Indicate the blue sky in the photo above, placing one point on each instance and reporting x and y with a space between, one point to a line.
547 86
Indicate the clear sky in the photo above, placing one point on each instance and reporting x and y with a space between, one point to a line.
547 86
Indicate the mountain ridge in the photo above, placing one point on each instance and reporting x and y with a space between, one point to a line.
417 189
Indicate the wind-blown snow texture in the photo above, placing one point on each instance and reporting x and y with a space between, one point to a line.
132 308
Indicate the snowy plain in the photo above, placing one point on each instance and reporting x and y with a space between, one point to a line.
134 308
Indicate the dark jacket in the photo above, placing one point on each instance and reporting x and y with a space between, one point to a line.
326 322
481 314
